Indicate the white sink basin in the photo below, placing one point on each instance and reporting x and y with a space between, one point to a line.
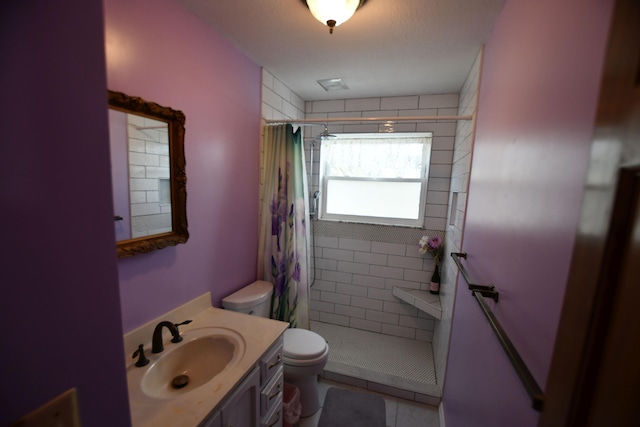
182 367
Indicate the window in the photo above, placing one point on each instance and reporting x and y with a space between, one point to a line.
375 178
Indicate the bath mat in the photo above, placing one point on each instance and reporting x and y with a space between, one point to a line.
350 408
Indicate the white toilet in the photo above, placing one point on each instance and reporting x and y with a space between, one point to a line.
305 352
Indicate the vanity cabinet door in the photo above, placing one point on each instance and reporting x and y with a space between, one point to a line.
214 420
271 361
270 392
242 408
274 417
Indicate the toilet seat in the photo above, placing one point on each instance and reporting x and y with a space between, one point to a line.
303 347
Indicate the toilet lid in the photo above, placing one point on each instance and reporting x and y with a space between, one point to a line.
303 344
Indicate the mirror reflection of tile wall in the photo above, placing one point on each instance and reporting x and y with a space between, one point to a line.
149 176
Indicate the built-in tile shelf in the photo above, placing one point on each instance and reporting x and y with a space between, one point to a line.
422 300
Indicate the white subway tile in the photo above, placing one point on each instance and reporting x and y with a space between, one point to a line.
439 100
404 262
354 245
326 264
335 298
138 196
447 111
323 285
388 248
314 295
350 311
436 211
337 254
381 294
367 303
381 316
438 128
353 267
144 209
362 104
336 276
326 242
370 258
442 143
366 325
335 319
386 272
314 315
267 78
400 308
328 106
438 197
289 110
439 184
281 90
395 283
419 276
419 112
436 223
368 281
298 102
399 103
380 113
343 288
440 171
271 98
361 128
322 307
416 322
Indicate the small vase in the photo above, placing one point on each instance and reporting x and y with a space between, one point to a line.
434 286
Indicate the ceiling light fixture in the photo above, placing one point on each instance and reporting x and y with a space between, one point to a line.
333 12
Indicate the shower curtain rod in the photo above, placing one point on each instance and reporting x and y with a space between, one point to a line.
312 122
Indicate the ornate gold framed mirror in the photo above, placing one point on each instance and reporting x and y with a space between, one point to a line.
148 174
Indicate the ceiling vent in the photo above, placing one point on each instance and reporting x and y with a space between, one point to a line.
333 84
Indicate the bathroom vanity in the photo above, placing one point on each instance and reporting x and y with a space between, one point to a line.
226 371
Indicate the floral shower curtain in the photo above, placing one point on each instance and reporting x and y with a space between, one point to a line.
284 215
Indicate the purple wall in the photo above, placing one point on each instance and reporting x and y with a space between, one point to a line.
60 307
537 104
158 50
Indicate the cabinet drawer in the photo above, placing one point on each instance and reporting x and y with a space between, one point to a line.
271 361
270 392
274 416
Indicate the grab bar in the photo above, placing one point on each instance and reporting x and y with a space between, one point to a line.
486 291
479 292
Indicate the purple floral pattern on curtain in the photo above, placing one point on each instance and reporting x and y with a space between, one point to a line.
284 218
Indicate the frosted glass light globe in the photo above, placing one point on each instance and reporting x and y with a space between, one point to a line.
332 12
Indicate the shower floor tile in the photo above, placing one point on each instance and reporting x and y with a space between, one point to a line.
384 359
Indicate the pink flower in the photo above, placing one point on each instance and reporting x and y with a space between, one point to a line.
434 245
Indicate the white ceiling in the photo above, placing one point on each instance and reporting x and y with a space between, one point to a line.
388 48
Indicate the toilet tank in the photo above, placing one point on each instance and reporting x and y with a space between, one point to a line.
254 299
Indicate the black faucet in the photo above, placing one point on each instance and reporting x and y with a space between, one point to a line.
156 342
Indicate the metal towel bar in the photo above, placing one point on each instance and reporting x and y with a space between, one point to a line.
479 292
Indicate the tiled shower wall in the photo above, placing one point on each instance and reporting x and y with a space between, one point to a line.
357 265
462 155
278 103
426 105
148 169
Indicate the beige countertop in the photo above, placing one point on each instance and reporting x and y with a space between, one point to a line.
256 335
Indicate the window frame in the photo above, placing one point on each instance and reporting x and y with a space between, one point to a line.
361 219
